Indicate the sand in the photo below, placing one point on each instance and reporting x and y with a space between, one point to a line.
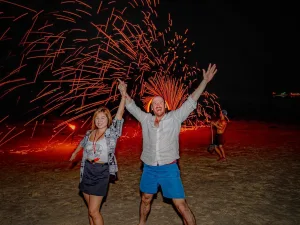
259 184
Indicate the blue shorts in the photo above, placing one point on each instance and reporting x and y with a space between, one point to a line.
166 176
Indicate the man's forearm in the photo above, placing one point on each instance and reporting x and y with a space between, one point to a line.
215 125
197 93
128 99
218 127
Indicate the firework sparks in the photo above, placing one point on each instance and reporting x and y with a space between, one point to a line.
4 119
78 56
33 130
175 92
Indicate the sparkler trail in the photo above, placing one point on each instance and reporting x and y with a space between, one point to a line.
73 54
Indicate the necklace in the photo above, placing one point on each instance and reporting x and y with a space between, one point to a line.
95 141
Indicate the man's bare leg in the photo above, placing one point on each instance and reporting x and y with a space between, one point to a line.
184 210
222 151
145 207
218 151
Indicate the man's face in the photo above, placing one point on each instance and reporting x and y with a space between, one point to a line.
158 106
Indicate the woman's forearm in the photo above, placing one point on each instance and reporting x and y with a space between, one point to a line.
121 108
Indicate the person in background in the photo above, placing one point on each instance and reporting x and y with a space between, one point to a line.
219 139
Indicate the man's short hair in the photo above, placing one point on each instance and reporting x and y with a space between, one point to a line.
224 112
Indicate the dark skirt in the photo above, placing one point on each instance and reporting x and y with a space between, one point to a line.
95 179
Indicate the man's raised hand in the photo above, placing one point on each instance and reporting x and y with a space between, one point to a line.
209 74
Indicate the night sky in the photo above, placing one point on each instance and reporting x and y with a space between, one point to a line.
253 44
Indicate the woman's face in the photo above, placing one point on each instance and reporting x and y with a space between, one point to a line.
101 120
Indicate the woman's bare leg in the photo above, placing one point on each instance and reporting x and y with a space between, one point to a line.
94 203
87 199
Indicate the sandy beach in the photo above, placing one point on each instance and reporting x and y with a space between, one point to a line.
259 184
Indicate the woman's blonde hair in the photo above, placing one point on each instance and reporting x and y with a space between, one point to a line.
107 114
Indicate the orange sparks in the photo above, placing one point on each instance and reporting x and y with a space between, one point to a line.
72 126
82 61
